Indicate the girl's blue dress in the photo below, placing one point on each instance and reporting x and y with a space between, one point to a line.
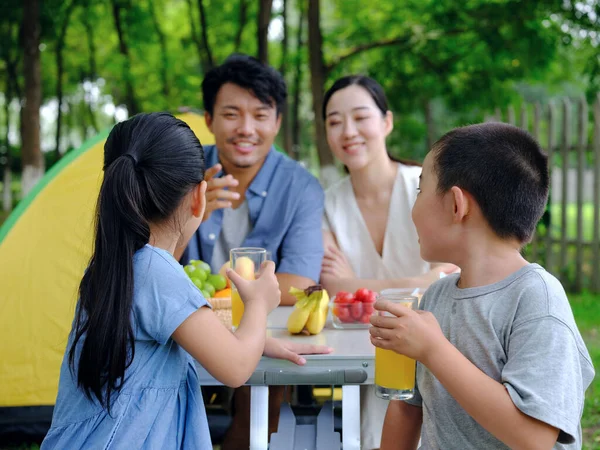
160 405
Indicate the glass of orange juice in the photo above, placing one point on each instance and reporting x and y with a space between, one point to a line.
395 373
246 261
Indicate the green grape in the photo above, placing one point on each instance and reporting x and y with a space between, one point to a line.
218 281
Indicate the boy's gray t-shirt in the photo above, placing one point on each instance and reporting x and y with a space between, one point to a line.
520 332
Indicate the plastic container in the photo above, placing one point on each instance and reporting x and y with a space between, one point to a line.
355 315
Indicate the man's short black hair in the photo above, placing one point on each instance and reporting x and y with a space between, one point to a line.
503 168
263 81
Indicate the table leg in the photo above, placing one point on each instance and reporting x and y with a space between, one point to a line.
351 417
259 417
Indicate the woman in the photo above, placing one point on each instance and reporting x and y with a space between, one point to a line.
370 240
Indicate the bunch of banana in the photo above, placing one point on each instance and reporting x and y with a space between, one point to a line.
311 309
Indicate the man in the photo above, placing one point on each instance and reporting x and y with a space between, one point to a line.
256 196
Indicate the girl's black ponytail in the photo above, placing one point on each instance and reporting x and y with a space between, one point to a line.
151 162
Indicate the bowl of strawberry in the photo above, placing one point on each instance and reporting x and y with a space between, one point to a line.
353 310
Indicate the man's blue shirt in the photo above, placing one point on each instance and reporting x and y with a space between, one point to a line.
286 209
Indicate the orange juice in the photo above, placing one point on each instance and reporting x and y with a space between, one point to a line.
394 371
237 308
245 261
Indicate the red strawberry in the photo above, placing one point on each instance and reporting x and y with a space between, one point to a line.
342 312
356 310
343 297
370 298
365 318
368 308
361 294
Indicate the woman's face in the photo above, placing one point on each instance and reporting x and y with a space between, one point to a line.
356 128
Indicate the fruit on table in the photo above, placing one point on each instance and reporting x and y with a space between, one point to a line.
209 288
223 273
310 311
354 308
218 281
200 265
244 266
210 285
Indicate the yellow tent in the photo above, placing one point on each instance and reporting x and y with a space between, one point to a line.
45 246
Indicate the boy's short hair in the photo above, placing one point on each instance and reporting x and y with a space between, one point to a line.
265 83
503 168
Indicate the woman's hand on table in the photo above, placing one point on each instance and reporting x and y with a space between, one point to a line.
336 264
291 351
416 334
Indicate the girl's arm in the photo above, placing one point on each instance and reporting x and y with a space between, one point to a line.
232 357
402 426
337 274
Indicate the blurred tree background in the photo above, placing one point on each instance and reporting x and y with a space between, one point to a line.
71 68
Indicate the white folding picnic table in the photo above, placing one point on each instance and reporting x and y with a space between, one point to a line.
350 365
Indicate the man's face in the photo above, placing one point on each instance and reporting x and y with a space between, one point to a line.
244 128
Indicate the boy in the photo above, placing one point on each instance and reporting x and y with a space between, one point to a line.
500 360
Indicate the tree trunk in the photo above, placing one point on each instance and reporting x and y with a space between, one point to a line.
91 73
317 81
202 46
130 100
89 31
163 53
60 45
297 87
243 21
12 90
287 120
7 193
264 18
31 154
204 31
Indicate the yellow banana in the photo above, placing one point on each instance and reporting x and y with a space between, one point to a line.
311 310
297 320
318 316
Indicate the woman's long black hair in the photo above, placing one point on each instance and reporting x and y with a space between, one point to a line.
151 161
377 94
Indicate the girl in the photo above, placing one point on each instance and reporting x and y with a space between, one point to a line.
370 240
128 378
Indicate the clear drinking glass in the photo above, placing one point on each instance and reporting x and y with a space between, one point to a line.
395 373
246 261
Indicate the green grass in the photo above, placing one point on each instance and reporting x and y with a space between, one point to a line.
587 220
586 309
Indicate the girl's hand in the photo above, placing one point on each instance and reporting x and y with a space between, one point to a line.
291 351
415 334
336 264
264 290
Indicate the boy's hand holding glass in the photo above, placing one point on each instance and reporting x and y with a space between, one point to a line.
415 334
265 289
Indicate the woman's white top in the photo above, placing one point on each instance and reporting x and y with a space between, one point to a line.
400 256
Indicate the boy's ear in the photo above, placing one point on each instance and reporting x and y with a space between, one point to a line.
199 199
461 204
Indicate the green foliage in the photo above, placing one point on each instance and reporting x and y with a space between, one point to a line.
463 58
586 309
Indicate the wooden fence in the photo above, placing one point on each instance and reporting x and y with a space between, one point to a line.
567 241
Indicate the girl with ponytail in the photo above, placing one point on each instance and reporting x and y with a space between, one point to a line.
128 379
